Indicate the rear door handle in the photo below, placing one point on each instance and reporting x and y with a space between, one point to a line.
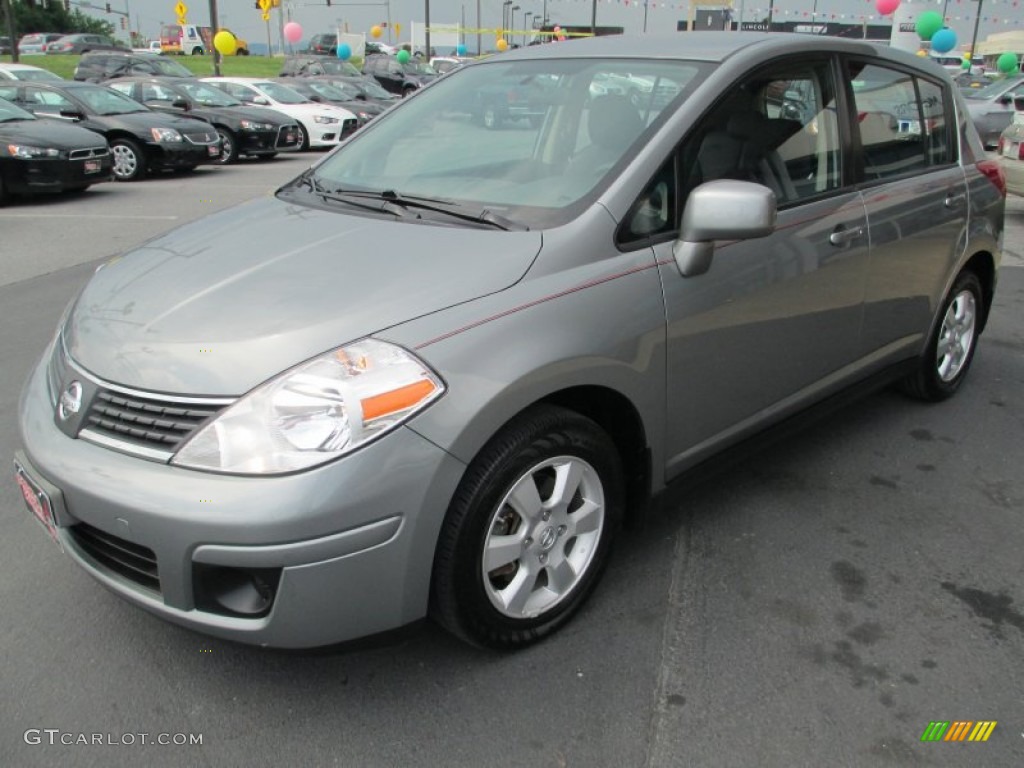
843 236
954 201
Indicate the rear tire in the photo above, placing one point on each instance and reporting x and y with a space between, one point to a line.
529 530
951 347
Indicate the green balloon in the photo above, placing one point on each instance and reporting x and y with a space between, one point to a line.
402 56
1007 62
928 23
965 64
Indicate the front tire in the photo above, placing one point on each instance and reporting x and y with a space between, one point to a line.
529 530
129 160
228 146
951 347
303 138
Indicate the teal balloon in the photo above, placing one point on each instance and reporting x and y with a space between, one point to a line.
944 41
928 23
1007 62
402 56
460 50
344 51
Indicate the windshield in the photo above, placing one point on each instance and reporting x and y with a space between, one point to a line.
995 89
374 90
282 93
207 95
171 68
329 92
419 68
34 74
10 112
104 101
563 129
335 67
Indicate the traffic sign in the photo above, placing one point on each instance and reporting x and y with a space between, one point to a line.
266 5
266 15
181 10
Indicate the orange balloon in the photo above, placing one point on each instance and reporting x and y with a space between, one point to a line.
376 31
502 44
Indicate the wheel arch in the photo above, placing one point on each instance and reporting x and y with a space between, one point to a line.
983 264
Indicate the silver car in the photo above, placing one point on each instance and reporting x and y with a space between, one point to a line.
436 373
991 107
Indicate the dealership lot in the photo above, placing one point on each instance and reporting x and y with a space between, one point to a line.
818 603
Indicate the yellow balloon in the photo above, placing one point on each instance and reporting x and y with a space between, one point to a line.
376 31
922 53
966 56
225 43
502 44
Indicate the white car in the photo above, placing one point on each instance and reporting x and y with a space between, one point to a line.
25 72
320 125
1011 149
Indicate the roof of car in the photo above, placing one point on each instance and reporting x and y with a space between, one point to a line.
705 46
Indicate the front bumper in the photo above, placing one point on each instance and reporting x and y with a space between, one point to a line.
349 546
284 138
42 175
175 155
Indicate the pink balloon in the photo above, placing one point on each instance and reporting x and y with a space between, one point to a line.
292 32
885 7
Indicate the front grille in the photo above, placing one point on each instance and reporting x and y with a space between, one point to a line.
348 127
201 137
147 421
85 154
130 561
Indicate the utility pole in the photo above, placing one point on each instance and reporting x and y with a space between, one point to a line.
974 37
11 31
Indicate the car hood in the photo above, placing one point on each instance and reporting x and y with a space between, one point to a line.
50 133
256 114
221 305
141 122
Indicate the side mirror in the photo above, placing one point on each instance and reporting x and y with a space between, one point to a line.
181 104
1006 98
316 97
721 210
260 102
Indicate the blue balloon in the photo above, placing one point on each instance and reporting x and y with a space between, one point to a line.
944 40
460 50
344 51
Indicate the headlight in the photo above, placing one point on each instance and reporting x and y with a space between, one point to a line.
364 116
26 152
252 125
324 119
326 407
165 135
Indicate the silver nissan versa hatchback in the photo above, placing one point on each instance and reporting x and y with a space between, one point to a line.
449 361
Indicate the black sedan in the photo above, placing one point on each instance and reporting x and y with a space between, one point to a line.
249 131
140 139
368 90
396 77
326 93
44 156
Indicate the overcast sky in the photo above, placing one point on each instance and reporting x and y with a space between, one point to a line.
315 16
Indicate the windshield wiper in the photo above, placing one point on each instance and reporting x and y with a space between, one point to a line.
350 198
451 208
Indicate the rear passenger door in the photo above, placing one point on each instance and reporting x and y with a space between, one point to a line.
916 197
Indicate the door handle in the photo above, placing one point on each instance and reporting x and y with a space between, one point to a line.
954 201
843 236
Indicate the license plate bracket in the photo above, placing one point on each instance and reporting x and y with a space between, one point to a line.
39 502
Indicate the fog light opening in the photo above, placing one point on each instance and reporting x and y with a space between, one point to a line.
244 592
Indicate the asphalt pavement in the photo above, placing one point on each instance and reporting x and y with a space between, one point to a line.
817 603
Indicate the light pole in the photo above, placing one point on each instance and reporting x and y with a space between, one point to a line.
526 24
504 17
974 37
512 22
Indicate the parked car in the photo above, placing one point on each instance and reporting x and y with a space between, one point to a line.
305 66
99 66
367 89
325 93
396 77
83 43
140 139
27 72
443 64
1011 149
41 156
323 45
991 107
36 42
435 372
320 125
244 131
